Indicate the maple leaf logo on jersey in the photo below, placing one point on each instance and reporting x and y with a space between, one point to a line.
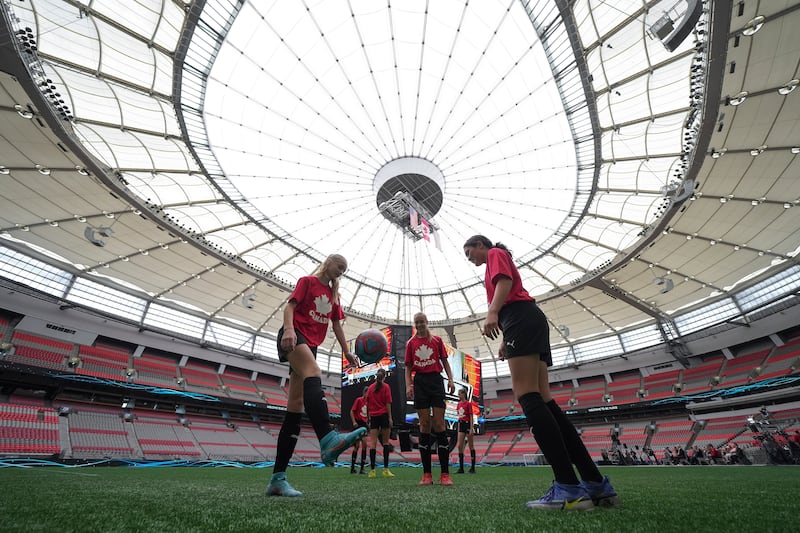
423 353
322 304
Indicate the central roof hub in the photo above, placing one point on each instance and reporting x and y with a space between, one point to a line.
408 182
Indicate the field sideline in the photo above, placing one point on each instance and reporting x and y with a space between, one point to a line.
655 499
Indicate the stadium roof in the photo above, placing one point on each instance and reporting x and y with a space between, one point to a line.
180 164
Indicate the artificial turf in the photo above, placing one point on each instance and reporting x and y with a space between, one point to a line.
655 499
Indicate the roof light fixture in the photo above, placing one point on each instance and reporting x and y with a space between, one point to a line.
789 87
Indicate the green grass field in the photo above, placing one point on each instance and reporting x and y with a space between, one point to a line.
655 499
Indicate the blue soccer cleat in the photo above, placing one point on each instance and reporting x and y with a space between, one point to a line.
278 486
602 493
335 443
565 497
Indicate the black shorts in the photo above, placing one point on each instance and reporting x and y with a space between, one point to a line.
463 426
284 356
379 421
428 390
360 424
525 331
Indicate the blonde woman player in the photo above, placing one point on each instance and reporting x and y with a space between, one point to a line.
425 359
312 306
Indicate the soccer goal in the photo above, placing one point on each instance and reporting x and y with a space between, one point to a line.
533 459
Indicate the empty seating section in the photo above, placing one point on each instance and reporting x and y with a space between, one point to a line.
671 433
307 448
697 378
98 434
503 405
152 369
271 391
590 391
200 376
263 441
525 445
5 329
596 439
41 351
660 385
218 441
499 446
162 437
562 392
28 430
103 363
633 434
782 361
624 387
739 370
334 407
239 384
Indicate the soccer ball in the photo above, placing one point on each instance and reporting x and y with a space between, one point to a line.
371 345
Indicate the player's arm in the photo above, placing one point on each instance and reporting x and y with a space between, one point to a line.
409 382
491 327
338 331
451 387
289 339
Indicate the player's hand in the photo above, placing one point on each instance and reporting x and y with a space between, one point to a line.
351 358
409 392
288 340
451 388
501 353
491 327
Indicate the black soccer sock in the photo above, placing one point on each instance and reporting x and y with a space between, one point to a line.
287 440
372 454
578 453
316 406
548 435
461 460
387 449
472 456
425 452
353 458
443 450
363 456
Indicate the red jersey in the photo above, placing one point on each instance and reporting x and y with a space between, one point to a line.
499 263
315 309
464 410
359 409
425 355
377 400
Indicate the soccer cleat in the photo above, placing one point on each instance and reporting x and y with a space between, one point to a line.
335 443
602 493
562 496
460 470
278 486
372 474
387 473
472 470
427 479
445 481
